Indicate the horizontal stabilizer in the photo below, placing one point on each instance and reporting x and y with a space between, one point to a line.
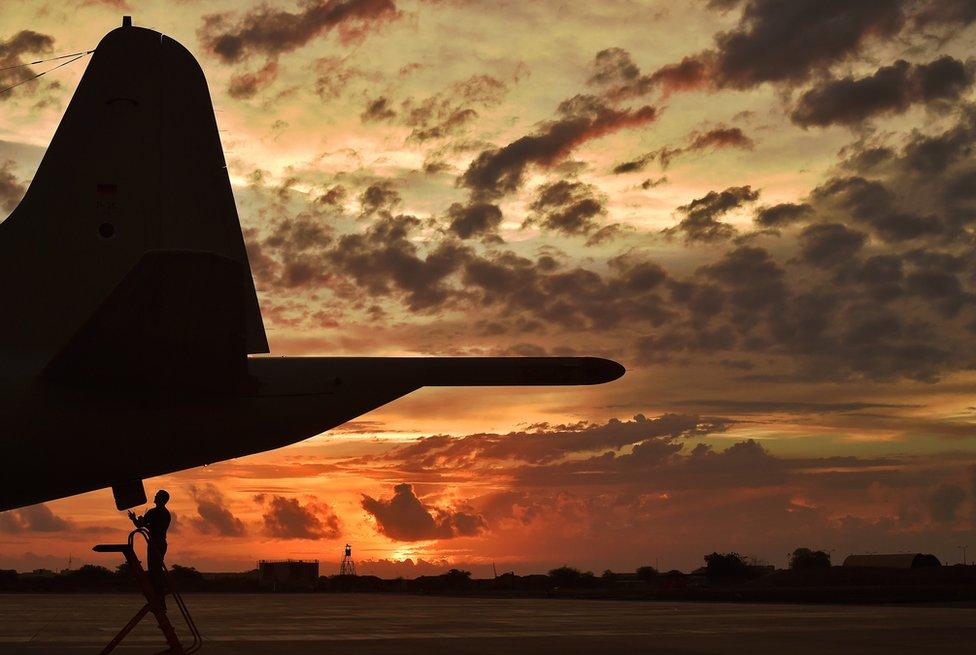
309 374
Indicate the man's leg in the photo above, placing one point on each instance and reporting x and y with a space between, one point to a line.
155 571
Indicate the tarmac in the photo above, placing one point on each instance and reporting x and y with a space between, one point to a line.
392 623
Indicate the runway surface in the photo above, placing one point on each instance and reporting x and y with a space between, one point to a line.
380 624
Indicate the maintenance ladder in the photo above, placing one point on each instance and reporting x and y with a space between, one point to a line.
154 602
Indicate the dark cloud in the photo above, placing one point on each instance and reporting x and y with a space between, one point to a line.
380 196
783 214
872 276
213 515
753 277
36 518
830 244
954 13
404 517
246 85
714 139
777 41
891 89
474 220
720 137
571 208
13 59
333 76
378 110
384 261
788 43
614 66
447 113
499 171
286 518
688 74
945 501
701 214
269 31
544 442
634 165
871 203
11 190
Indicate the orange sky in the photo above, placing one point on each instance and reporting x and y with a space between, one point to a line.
765 217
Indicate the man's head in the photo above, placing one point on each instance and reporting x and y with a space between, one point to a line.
162 497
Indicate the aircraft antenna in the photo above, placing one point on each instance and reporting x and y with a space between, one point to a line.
71 59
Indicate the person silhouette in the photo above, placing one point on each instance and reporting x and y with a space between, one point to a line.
156 522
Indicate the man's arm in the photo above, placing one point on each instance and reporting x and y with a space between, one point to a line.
138 521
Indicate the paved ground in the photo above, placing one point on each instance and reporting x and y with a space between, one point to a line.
379 624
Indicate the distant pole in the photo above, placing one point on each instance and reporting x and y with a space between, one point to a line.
963 549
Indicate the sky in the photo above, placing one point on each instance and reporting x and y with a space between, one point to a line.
764 209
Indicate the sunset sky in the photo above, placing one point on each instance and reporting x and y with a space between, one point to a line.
764 209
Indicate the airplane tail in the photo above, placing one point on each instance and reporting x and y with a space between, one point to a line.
136 166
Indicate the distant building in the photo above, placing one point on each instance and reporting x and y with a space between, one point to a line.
893 561
40 573
288 574
230 575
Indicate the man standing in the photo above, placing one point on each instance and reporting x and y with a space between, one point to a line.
156 522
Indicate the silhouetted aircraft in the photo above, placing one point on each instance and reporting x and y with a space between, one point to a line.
128 311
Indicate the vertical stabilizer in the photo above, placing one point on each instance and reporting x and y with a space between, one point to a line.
135 166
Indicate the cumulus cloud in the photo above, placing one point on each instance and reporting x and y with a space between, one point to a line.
246 85
701 214
571 208
717 138
405 517
15 52
378 110
380 196
287 518
882 240
36 518
474 219
659 478
790 43
546 442
783 214
213 516
499 171
890 90
384 261
784 42
830 244
333 75
448 112
269 31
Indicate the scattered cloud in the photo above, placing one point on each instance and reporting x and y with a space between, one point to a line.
287 518
213 516
405 517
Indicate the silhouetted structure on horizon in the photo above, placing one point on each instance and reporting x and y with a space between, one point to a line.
893 561
347 566
289 574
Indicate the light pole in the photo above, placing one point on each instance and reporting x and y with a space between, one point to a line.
963 549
